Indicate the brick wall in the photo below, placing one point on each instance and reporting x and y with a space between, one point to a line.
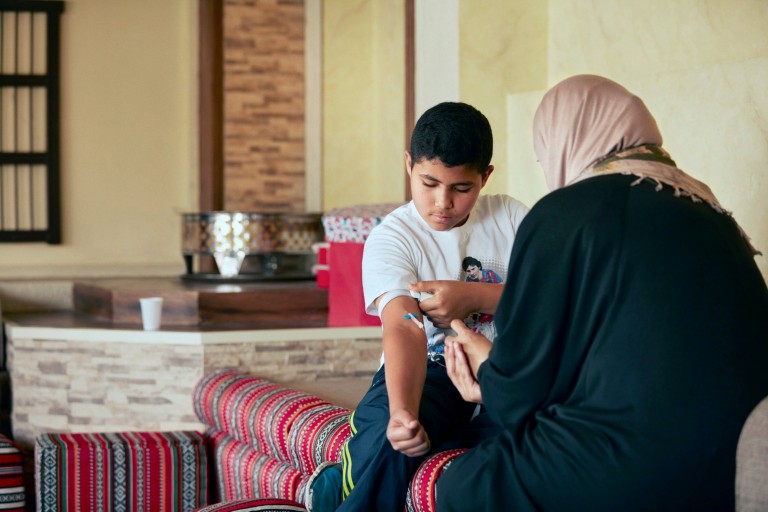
264 105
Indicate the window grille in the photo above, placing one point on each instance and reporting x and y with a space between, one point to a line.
29 121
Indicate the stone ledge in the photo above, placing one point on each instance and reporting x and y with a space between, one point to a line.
69 380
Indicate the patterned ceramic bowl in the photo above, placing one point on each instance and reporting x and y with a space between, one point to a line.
250 233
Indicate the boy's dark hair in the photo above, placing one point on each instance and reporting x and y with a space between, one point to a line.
456 133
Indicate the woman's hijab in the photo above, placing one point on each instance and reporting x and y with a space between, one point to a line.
589 126
584 118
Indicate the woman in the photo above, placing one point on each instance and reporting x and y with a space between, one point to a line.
632 334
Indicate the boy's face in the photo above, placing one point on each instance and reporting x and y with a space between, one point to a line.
444 196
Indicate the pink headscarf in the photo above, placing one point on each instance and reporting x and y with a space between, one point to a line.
584 118
589 126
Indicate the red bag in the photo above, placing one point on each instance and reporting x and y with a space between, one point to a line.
346 229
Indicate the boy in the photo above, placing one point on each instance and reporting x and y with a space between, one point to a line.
412 408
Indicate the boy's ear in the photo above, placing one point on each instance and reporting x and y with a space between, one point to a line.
408 163
486 175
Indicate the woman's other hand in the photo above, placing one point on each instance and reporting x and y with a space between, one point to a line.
461 374
475 347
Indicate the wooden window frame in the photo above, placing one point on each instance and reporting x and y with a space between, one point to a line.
50 157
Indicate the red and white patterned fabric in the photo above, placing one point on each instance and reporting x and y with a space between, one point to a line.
130 471
243 472
267 440
318 436
421 493
12 493
354 223
255 505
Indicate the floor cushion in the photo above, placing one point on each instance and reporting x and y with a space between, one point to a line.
121 471
12 493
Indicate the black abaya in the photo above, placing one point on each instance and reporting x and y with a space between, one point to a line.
633 343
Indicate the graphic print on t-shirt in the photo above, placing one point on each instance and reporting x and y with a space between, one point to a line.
475 273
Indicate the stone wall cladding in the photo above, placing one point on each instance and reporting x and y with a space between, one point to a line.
75 386
298 361
68 386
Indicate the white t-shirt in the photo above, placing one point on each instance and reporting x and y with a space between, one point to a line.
403 249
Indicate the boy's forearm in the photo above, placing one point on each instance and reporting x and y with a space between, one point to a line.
405 354
405 368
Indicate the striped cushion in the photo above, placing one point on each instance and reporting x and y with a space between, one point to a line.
216 400
318 435
12 494
269 438
421 493
136 471
252 410
244 473
257 505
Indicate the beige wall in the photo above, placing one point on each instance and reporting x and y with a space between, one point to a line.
129 149
363 102
702 69
363 80
129 153
502 50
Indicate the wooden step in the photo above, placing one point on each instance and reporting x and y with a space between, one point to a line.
262 305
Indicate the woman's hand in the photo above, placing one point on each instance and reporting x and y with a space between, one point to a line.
456 299
461 374
475 347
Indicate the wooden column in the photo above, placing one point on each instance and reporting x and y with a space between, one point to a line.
211 113
410 80
211 106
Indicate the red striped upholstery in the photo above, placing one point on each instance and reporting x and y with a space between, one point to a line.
254 411
130 471
12 494
421 493
246 473
289 425
268 439
255 505
318 435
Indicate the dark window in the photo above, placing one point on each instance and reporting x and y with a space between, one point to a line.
29 121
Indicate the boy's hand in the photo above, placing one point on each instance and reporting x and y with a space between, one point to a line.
450 299
474 346
460 372
406 434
